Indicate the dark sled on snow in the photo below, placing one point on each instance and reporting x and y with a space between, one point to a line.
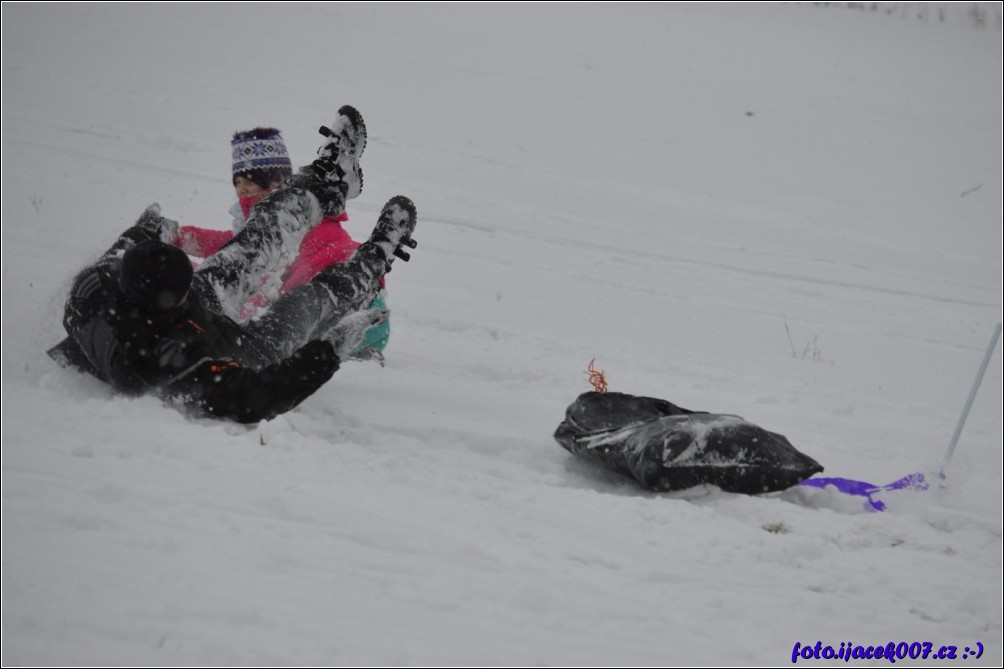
69 354
665 447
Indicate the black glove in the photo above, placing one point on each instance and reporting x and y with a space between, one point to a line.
163 229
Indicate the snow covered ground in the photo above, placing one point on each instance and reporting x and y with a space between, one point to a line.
786 212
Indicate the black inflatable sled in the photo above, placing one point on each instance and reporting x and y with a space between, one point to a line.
665 447
69 354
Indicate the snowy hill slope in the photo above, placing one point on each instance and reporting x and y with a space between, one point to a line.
782 212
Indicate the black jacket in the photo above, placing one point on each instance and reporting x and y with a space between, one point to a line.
189 354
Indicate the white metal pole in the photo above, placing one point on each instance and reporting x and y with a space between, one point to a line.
972 396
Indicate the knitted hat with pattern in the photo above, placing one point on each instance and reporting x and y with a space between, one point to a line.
261 156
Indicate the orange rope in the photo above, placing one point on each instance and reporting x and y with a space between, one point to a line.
598 379
217 368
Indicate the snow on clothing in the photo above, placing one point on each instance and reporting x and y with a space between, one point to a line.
324 245
193 353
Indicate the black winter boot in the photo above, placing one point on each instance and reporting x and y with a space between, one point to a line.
339 155
394 228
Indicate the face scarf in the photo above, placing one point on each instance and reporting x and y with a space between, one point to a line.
249 201
246 203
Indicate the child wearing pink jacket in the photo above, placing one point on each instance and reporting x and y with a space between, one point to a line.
261 163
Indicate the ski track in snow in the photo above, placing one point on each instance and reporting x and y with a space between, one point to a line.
755 210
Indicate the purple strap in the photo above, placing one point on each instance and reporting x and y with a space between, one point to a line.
863 489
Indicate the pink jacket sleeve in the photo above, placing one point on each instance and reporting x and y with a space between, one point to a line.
202 242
